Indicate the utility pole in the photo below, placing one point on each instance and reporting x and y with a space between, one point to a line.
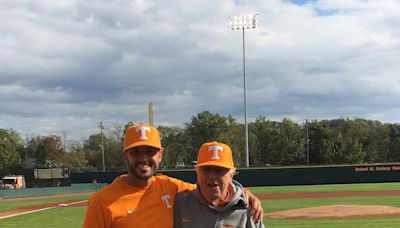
64 139
308 144
102 145
151 123
64 142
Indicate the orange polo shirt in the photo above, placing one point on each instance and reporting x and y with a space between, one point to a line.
122 205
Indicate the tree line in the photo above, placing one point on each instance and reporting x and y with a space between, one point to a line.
271 143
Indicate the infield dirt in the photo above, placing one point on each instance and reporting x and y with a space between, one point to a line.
337 211
334 211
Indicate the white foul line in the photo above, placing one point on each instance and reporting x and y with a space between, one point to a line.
42 209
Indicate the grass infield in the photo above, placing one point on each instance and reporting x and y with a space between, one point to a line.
73 216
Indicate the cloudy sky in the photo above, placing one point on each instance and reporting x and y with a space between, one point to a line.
66 65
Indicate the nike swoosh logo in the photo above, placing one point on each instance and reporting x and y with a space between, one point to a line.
186 220
132 211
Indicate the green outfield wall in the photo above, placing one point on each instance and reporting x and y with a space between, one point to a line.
29 192
275 176
271 176
320 175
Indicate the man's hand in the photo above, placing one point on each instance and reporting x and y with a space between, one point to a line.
256 212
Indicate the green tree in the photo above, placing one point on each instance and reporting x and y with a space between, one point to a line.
206 127
175 143
292 143
278 143
266 135
93 153
76 157
32 144
234 137
322 148
356 132
394 143
335 150
377 144
113 150
11 146
349 138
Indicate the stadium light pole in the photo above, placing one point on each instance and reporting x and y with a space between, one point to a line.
236 23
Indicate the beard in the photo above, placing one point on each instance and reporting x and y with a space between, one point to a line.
142 173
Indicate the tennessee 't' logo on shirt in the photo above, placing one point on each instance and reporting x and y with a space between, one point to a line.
166 199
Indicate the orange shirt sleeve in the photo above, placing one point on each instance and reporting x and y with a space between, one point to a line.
97 215
182 185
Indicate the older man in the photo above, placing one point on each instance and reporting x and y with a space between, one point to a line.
219 200
140 198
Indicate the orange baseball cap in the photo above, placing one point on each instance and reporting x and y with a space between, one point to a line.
142 135
215 154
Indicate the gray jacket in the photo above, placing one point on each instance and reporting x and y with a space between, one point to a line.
192 210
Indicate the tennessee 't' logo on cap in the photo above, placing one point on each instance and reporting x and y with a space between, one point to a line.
142 135
142 130
215 150
215 154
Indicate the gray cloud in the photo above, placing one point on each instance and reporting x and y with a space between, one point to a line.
67 65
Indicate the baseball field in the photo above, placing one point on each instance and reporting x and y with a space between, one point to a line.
346 205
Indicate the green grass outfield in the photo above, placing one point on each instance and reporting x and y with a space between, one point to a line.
10 205
73 216
327 188
286 204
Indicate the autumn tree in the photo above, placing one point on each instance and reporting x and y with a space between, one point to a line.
50 152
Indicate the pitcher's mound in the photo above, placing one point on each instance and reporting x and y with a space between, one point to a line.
337 211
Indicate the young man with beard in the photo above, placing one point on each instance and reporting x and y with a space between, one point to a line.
139 198
219 200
